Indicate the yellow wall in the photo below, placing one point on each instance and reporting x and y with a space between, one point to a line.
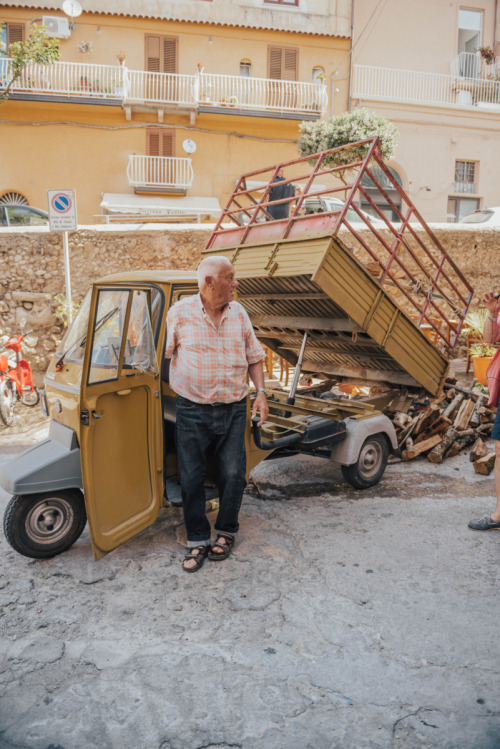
86 147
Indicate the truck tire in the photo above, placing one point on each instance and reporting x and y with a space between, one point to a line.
43 525
371 463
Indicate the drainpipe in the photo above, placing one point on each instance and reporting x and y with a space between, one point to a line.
495 27
350 58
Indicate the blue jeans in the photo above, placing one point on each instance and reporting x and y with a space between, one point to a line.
197 428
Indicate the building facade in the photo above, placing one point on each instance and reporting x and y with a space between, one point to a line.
430 67
157 112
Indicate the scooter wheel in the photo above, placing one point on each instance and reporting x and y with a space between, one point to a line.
7 402
31 398
44 525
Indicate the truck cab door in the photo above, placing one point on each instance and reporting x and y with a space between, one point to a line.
121 419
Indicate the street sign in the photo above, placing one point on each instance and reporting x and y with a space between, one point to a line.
62 210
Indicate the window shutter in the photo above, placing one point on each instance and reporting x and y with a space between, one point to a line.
153 143
290 64
153 61
169 54
167 143
160 142
274 62
15 33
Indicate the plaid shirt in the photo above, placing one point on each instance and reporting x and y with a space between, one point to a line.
208 364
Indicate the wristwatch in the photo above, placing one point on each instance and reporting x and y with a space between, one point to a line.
262 390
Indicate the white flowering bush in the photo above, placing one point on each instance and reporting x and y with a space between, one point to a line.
348 127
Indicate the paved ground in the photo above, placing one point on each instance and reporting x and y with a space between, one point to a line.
343 619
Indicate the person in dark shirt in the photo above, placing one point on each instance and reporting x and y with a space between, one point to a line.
278 192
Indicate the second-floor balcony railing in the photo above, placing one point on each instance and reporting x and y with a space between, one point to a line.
160 171
414 87
135 87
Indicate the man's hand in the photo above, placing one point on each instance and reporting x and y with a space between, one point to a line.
491 303
260 405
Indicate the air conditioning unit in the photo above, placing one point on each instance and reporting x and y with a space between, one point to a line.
57 26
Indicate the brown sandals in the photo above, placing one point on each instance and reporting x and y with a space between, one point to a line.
199 554
225 545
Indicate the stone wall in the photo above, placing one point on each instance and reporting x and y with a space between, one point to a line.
33 268
33 285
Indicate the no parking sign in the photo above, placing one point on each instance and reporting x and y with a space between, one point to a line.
62 210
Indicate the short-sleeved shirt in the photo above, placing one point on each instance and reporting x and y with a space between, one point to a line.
209 364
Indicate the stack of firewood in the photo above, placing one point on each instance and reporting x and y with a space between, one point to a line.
447 426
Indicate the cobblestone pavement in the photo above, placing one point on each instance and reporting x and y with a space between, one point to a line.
342 619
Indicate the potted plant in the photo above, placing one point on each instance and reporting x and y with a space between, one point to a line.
480 352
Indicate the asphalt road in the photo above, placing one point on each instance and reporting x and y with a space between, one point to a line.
343 619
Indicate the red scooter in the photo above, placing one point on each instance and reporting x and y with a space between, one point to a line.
16 380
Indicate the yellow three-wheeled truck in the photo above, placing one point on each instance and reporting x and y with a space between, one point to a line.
322 295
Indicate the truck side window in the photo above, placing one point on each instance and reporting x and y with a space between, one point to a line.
108 333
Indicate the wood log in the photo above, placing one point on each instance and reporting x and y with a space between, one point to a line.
436 455
485 465
408 431
453 450
466 391
464 415
438 427
401 420
454 404
485 429
451 393
464 439
475 419
479 450
427 418
422 447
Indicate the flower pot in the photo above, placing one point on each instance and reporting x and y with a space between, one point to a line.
480 365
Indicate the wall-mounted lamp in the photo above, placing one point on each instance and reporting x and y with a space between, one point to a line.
210 40
98 29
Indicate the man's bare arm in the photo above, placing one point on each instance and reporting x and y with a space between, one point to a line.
256 372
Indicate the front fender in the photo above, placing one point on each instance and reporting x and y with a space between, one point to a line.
347 451
52 464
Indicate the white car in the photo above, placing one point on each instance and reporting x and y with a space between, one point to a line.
484 216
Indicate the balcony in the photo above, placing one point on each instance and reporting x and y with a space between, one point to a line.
139 89
431 89
159 173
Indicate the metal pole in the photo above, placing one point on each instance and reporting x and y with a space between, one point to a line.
291 398
67 277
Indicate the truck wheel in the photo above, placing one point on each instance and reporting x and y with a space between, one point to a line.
43 525
7 402
371 463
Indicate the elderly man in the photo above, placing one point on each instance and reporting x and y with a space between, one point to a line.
212 347
491 334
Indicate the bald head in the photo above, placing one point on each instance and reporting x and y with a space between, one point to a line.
212 267
217 282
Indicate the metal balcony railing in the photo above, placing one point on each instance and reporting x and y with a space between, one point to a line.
260 93
472 65
74 79
66 79
414 87
159 171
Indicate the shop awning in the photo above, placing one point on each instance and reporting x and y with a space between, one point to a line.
138 206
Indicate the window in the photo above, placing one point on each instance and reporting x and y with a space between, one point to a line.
282 63
282 2
161 53
10 33
318 75
460 207
465 176
245 68
470 24
378 197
